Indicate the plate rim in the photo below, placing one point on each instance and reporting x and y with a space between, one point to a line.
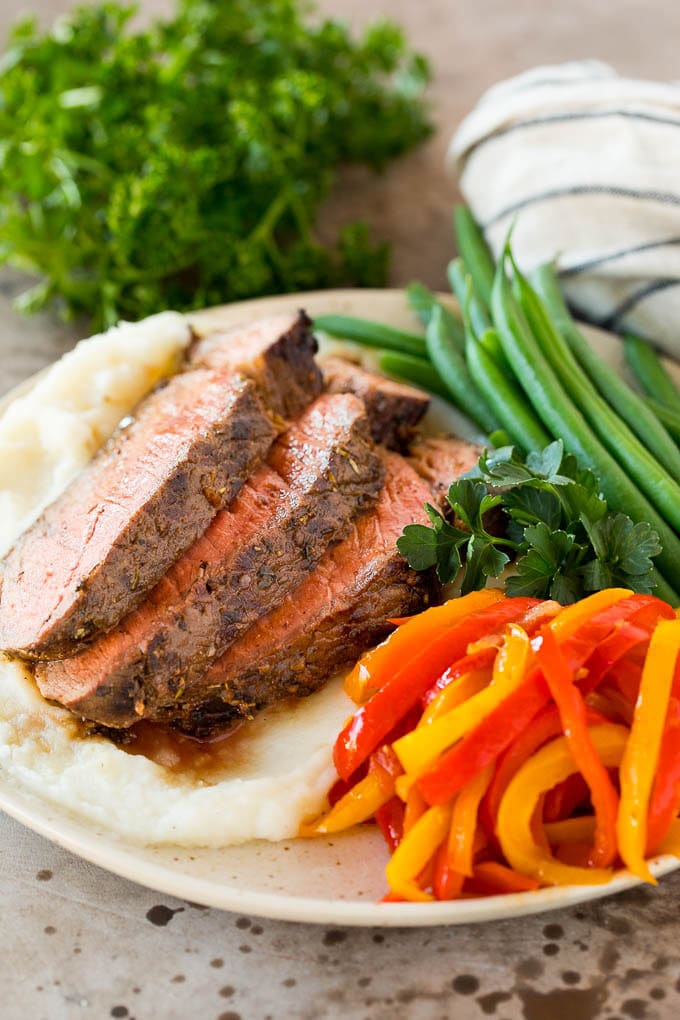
109 851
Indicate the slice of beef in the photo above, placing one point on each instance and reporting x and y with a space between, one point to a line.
439 460
154 488
320 474
394 409
338 611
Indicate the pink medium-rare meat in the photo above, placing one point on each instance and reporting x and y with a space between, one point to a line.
321 473
154 487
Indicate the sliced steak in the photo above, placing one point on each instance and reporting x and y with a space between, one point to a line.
154 488
320 474
338 611
439 460
394 409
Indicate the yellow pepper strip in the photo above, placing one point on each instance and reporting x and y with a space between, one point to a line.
550 765
461 844
390 656
358 804
570 830
570 619
639 763
460 690
415 850
418 750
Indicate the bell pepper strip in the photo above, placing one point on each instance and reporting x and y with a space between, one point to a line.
474 663
671 842
665 801
415 851
491 878
359 804
464 820
377 666
604 658
569 701
415 674
577 615
500 728
540 729
447 884
549 766
562 800
419 749
414 808
461 690
610 702
390 820
640 760
570 830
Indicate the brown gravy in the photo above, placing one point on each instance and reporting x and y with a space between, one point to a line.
187 756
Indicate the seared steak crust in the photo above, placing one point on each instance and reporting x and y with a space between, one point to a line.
337 612
154 487
394 409
320 474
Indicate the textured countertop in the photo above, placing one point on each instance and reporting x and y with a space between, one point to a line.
76 942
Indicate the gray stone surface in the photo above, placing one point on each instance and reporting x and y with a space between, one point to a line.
76 942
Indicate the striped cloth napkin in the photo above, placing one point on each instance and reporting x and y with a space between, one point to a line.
587 165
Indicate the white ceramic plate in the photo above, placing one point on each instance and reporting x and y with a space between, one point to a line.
336 881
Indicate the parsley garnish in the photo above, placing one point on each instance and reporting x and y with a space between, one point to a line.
183 164
558 529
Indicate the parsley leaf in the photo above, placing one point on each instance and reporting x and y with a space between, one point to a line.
558 527
183 164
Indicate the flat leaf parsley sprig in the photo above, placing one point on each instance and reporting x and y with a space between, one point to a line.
558 529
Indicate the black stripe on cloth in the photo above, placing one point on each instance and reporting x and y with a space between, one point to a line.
561 118
663 197
599 260
614 319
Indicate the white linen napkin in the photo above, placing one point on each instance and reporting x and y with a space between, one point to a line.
587 165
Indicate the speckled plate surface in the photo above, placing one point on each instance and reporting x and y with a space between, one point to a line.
336 881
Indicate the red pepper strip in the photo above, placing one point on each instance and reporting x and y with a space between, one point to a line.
503 725
447 884
370 723
562 799
664 804
626 678
471 663
642 610
605 799
619 643
490 878
543 727
390 819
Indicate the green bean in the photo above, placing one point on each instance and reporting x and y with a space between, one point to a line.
559 415
650 373
630 406
452 369
479 316
613 433
372 334
668 416
413 370
474 252
503 395
423 302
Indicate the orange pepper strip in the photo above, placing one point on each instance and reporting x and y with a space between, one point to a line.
464 822
415 807
572 709
574 616
417 750
447 884
382 662
491 878
549 766
639 764
359 804
415 851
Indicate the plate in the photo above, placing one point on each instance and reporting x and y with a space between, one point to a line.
334 881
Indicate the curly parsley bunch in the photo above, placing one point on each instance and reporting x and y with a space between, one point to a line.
184 164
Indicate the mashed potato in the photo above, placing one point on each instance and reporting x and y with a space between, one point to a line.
281 768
